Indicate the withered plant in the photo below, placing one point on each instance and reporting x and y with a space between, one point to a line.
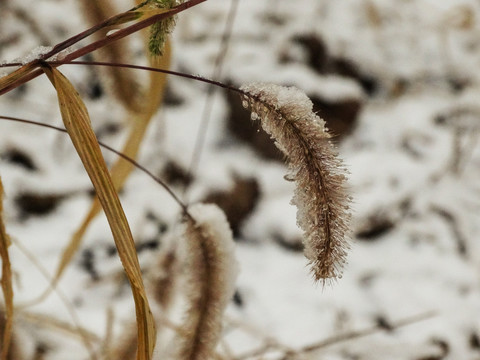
208 253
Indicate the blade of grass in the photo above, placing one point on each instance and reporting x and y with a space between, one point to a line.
121 169
158 81
123 84
6 282
77 124
149 68
50 322
10 79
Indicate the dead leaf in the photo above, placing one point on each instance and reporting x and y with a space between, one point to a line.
6 282
77 122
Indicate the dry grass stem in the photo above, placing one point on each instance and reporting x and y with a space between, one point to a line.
145 17
84 335
320 194
6 282
122 83
163 282
49 322
210 272
14 350
152 101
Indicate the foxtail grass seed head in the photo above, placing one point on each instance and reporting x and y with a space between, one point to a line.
160 30
211 271
165 278
320 195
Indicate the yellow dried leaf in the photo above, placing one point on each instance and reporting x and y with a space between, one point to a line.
6 282
121 169
137 13
123 82
77 122
125 17
9 79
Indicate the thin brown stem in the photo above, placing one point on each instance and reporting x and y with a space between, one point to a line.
148 68
293 354
109 148
97 44
77 329
358 334
216 74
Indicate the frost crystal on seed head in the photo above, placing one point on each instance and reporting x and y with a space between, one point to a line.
211 270
286 113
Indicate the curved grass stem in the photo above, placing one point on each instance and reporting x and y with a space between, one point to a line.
109 148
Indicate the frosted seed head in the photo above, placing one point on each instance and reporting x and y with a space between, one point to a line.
287 115
211 270
160 30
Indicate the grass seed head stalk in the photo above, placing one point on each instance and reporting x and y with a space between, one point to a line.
109 148
320 195
160 30
211 272
6 325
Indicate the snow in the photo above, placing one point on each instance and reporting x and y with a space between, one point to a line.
419 252
36 54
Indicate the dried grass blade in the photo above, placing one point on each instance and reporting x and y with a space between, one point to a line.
77 327
77 123
124 86
6 282
73 246
121 169
10 79
49 322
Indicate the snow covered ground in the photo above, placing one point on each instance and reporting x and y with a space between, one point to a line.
398 81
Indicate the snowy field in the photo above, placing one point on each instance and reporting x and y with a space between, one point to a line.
397 82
